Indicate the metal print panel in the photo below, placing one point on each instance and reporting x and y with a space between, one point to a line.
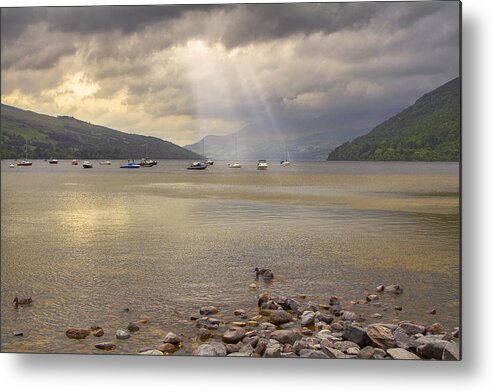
248 180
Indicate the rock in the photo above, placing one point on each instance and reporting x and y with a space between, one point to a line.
18 333
353 351
412 329
233 335
336 310
357 335
451 352
324 306
307 331
307 353
399 308
121 334
333 300
212 349
252 286
106 346
142 321
280 316
151 352
400 353
428 339
288 355
239 323
432 311
366 352
376 315
456 332
233 348
97 331
432 349
403 340
240 313
308 317
126 310
133 327
273 349
334 353
251 340
379 353
172 338
326 334
239 354
77 333
302 296
285 336
289 325
324 317
261 347
381 336
393 288
268 327
262 299
336 327
344 346
168 348
247 349
435 329
372 297
351 316
208 310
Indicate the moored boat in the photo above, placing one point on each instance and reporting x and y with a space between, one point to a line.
262 164
75 162
130 165
146 162
105 162
235 165
25 162
285 163
209 162
53 161
11 166
87 165
197 166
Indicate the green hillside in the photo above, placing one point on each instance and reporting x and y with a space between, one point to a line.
429 130
65 137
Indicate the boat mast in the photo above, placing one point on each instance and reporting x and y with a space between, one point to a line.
236 146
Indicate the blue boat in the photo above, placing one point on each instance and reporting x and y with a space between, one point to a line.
130 165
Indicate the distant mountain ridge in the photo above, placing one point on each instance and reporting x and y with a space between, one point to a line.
66 137
428 130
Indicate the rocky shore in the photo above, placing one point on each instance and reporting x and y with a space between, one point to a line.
295 327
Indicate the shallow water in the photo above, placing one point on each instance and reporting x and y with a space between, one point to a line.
163 241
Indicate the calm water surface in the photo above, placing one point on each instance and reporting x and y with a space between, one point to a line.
163 241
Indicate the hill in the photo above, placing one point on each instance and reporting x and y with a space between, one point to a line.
429 130
66 137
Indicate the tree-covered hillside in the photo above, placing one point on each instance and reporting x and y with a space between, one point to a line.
429 130
65 137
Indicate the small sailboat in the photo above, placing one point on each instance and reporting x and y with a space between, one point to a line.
75 162
286 162
235 165
53 161
130 165
105 162
87 165
197 166
146 162
25 162
11 165
262 164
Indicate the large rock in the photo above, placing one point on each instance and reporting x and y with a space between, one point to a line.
393 288
212 349
326 334
351 316
247 349
273 349
151 352
334 353
357 335
411 328
285 336
366 352
403 340
208 310
132 327
308 317
204 334
107 346
172 338
344 346
324 317
435 329
280 316
121 334
168 348
400 353
381 336
77 333
233 335
432 349
307 353
451 352
97 331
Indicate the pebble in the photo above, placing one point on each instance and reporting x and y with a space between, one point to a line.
121 334
172 339
400 353
280 316
18 333
106 346
208 310
133 327
204 333
233 335
97 331
151 352
308 317
168 348
77 333
212 349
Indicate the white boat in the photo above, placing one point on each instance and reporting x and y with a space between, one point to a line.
197 166
209 162
11 165
53 161
286 162
235 165
105 162
262 164
87 165
25 162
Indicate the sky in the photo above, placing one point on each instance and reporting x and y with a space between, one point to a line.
183 72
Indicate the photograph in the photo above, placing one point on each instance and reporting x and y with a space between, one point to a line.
268 180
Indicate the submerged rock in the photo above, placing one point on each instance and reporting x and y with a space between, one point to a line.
280 316
121 334
172 338
168 348
204 333
208 310
106 346
97 331
233 335
133 327
394 288
77 333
